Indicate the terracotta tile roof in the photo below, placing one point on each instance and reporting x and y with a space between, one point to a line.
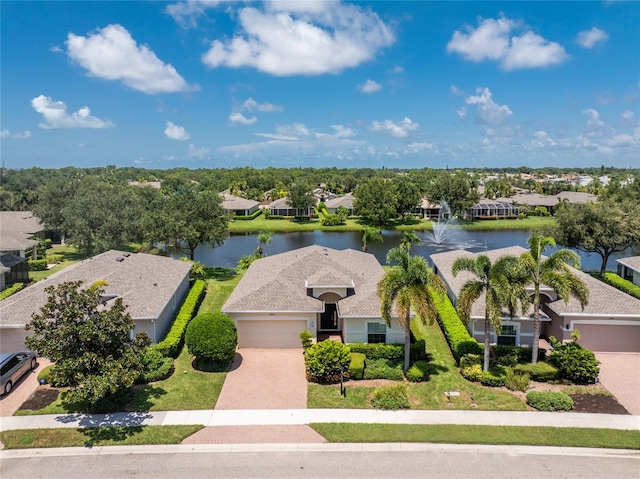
279 283
145 282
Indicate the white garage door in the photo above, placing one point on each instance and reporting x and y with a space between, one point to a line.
270 334
12 340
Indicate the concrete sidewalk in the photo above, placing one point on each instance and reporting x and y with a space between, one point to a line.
308 416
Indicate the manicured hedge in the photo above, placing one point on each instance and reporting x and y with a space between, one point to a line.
621 284
37 264
13 289
156 366
541 371
458 337
576 363
356 367
252 216
54 258
549 401
522 354
173 341
390 351
326 361
212 338
419 371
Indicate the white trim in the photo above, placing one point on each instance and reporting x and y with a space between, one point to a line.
600 323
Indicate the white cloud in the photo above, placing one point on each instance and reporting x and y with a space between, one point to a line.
370 86
302 38
589 38
541 140
494 40
398 130
21 135
251 105
55 116
186 13
488 111
277 137
398 69
197 153
342 132
594 127
241 119
175 132
628 119
456 91
112 54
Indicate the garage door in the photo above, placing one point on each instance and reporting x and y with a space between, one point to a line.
270 334
616 338
12 340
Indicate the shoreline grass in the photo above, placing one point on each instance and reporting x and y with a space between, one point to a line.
474 434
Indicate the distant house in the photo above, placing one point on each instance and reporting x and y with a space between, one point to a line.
428 210
486 209
13 269
18 230
550 202
151 286
281 207
610 322
629 269
239 206
151 184
345 201
323 290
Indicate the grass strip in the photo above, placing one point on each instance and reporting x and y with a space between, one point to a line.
99 436
472 434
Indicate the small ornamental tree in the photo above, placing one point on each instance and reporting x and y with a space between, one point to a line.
212 338
90 344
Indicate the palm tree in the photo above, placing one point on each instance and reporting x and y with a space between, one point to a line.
408 283
553 272
408 238
264 237
370 235
498 282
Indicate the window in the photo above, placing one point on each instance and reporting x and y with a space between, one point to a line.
376 333
508 335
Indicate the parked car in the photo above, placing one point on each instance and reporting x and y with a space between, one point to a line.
13 366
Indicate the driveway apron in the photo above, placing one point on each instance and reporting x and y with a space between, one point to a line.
265 379
619 373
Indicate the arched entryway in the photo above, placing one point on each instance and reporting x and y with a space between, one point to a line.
329 320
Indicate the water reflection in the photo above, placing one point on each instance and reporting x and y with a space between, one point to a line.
238 245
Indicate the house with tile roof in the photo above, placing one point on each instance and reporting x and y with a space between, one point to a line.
152 287
325 291
18 230
629 269
610 322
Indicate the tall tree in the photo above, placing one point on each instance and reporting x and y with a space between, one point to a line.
407 196
301 198
554 272
409 238
375 200
370 235
90 344
456 189
408 283
602 228
497 282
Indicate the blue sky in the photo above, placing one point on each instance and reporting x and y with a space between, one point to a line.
303 83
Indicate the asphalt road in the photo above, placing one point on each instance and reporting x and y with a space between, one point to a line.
333 461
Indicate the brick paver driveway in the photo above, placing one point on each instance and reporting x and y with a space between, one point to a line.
619 374
265 379
10 403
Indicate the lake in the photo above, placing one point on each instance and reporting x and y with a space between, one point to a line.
238 245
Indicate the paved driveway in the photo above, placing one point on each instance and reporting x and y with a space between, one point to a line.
620 374
265 379
10 403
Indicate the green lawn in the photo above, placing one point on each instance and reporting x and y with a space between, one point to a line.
470 434
70 255
426 395
102 436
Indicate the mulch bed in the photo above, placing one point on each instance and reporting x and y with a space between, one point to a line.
42 397
597 403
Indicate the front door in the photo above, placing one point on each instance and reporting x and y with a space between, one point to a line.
329 319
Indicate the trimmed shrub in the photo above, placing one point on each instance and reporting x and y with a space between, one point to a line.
173 341
326 360
156 366
48 374
472 373
13 289
333 220
577 364
521 353
306 338
252 216
357 365
455 331
419 371
212 338
622 284
516 381
470 360
390 351
37 264
541 371
494 377
384 369
391 397
549 401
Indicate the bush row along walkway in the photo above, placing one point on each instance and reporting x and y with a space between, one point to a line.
308 416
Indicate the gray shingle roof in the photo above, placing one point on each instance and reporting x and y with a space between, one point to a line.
16 228
345 201
230 202
604 300
279 283
632 262
145 282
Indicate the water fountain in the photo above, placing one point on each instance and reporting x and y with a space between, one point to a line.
445 236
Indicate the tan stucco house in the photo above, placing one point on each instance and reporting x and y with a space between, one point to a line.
322 290
152 287
609 323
